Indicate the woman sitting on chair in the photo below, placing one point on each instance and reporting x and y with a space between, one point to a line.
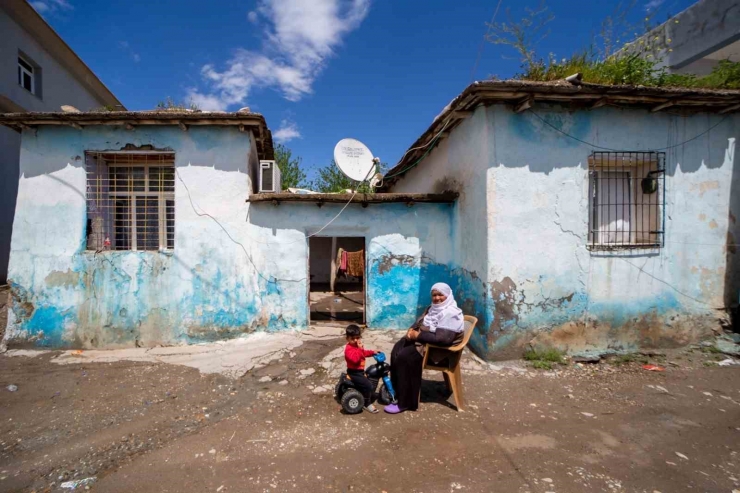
442 324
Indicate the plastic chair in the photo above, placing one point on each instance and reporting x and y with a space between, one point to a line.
451 370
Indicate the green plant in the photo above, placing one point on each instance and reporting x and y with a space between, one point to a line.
291 174
171 104
711 350
608 60
332 180
542 365
544 358
624 359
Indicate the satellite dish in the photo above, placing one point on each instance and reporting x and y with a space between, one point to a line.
354 159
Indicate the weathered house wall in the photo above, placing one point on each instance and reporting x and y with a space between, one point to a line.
235 267
460 164
542 284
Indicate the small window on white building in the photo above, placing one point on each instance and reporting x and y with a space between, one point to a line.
27 75
130 200
626 199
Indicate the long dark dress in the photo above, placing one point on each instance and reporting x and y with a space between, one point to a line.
406 361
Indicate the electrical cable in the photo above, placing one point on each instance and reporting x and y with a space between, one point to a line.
620 150
483 42
249 257
416 148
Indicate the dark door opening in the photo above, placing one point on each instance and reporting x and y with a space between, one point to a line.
337 278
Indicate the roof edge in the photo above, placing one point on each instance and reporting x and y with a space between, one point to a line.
30 20
522 95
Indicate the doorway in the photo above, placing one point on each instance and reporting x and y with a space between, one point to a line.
337 279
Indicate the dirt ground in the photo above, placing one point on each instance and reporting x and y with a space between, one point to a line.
149 426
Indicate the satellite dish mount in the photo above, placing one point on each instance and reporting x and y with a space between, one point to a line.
354 160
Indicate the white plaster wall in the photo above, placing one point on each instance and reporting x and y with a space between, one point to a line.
522 225
209 285
538 192
236 267
458 164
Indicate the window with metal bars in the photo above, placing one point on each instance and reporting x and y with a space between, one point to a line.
626 199
130 200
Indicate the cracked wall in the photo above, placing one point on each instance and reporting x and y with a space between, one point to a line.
539 284
235 268
206 288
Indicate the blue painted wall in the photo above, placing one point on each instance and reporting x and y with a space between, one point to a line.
235 268
525 201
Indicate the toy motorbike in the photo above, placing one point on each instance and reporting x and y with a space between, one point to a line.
351 399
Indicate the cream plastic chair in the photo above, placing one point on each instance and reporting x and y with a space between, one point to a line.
451 370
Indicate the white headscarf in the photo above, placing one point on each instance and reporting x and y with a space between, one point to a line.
445 315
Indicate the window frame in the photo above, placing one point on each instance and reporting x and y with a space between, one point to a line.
30 70
634 164
109 197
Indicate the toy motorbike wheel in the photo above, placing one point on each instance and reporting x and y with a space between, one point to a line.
352 401
384 397
338 391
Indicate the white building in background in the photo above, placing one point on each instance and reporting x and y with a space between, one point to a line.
695 40
38 72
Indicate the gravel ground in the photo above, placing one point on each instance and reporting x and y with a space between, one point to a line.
148 426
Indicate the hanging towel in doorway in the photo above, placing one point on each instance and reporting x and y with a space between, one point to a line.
356 263
341 260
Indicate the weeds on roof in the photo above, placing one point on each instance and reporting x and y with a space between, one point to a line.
631 70
618 55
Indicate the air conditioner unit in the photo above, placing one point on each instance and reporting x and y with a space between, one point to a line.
269 177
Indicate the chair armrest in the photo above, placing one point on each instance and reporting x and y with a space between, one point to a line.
452 349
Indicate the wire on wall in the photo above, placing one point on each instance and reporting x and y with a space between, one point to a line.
618 150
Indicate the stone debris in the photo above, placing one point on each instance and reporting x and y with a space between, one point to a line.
265 379
679 454
71 485
322 389
658 387
728 362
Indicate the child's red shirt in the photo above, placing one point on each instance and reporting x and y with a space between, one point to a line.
355 357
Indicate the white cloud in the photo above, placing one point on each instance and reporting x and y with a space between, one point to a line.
288 131
205 102
51 6
300 37
125 46
653 4
252 16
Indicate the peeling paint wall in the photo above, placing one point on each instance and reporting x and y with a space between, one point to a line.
460 164
63 295
235 268
541 284
407 250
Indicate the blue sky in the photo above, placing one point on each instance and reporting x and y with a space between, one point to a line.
319 70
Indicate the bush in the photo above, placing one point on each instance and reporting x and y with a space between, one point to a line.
630 70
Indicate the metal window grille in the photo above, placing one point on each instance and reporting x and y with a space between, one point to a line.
130 200
627 199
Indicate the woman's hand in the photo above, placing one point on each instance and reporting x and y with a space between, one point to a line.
412 334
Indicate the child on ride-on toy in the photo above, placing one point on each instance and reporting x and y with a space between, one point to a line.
355 354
